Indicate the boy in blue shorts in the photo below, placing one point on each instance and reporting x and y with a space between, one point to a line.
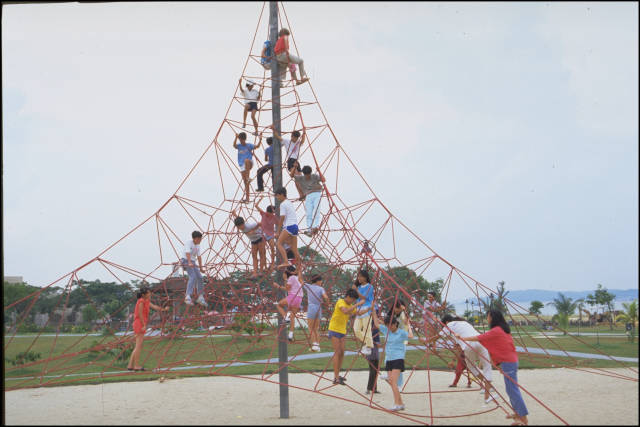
287 228
245 159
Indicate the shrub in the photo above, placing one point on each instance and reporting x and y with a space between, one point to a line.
24 357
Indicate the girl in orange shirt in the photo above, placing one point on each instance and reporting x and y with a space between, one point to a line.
141 316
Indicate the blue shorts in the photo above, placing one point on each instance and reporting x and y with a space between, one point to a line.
338 335
292 229
314 312
252 106
269 237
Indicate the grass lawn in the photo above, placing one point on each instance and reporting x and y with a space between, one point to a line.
68 356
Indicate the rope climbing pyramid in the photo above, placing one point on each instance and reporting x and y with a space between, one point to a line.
235 331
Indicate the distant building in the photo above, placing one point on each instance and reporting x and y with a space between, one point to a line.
13 279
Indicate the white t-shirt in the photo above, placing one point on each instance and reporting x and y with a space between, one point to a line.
191 248
252 230
462 328
250 95
287 210
293 148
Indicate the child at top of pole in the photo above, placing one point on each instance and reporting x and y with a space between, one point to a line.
310 189
293 151
265 61
245 159
268 221
293 285
316 295
287 229
394 353
141 317
344 308
499 343
253 231
251 97
285 57
362 322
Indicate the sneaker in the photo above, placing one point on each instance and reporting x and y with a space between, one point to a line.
383 376
188 301
307 233
395 408
315 347
290 336
366 351
259 190
201 301
339 380
368 392
490 398
400 407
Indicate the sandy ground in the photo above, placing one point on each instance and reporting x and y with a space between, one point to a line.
577 397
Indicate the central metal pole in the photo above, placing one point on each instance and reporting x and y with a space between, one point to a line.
283 356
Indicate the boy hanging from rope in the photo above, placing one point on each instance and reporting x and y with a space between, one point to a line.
254 232
245 159
293 151
251 97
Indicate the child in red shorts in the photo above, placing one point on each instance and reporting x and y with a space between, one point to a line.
140 318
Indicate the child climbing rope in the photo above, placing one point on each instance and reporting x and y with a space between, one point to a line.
431 307
251 97
499 342
268 224
253 231
461 365
293 150
374 358
192 250
245 159
362 322
293 285
310 190
284 57
141 317
268 157
395 349
315 296
287 227
343 309
476 356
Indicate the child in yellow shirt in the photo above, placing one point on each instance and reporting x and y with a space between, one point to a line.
344 309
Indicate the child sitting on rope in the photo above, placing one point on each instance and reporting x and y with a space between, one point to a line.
254 232
394 353
284 57
265 61
315 297
251 97
293 285
344 308
310 189
287 227
245 159
268 224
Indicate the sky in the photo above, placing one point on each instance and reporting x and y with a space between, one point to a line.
505 135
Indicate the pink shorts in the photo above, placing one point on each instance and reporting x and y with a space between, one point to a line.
294 301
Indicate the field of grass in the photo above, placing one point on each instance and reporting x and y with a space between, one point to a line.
67 360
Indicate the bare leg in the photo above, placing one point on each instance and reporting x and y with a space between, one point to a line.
284 236
244 116
337 356
393 382
272 248
134 361
255 122
294 247
254 255
263 255
282 303
294 311
245 177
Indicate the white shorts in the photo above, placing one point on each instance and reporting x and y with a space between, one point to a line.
242 166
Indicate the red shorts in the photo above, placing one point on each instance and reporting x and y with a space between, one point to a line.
137 327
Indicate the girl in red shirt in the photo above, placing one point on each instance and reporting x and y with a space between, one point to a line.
284 57
499 342
141 316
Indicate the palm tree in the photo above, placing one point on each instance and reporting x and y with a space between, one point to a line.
630 315
565 307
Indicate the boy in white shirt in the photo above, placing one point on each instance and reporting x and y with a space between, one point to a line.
192 250
287 229
292 147
251 97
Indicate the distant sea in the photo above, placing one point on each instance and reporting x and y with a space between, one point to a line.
524 298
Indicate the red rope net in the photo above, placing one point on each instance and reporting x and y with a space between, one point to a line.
236 335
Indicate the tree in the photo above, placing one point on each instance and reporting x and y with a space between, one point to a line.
565 307
89 314
630 315
535 307
605 298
